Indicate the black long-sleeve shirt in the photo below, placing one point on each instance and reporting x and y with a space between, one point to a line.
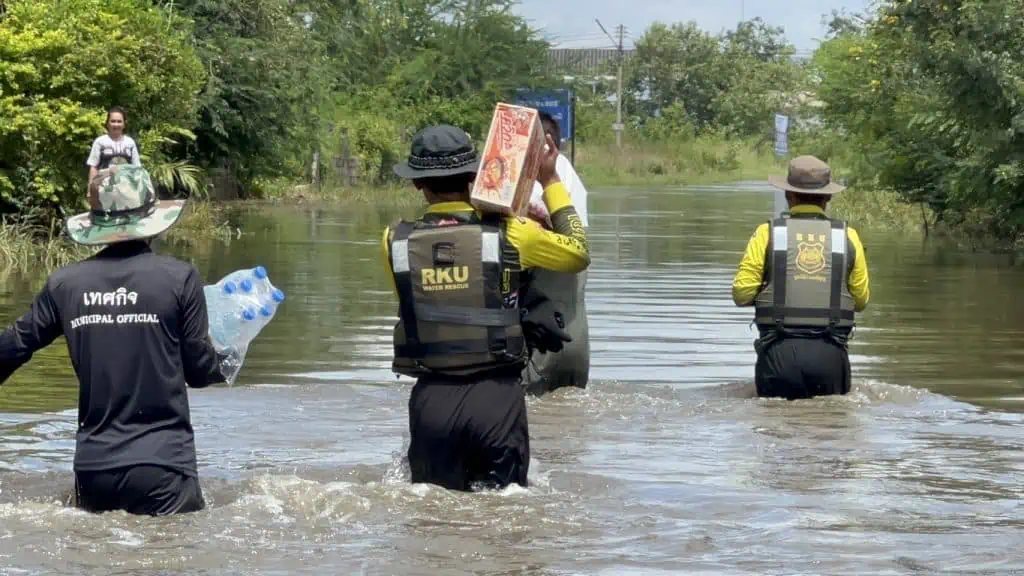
136 328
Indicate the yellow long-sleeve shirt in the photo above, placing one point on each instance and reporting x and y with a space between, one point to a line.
749 277
538 248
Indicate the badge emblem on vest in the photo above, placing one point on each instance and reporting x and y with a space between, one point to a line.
810 257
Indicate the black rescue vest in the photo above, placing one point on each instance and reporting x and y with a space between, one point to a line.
808 261
458 282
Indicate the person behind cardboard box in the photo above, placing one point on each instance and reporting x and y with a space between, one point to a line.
570 366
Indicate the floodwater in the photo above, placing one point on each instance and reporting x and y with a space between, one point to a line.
665 464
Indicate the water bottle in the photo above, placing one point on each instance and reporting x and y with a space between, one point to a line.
256 286
263 314
231 316
268 307
240 305
261 282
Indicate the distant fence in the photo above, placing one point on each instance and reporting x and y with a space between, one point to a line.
590 60
584 59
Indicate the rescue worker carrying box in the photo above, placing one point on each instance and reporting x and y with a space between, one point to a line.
462 331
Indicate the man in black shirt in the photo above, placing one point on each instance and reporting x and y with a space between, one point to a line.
136 329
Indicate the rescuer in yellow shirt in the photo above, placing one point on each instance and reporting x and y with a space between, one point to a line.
467 317
806 275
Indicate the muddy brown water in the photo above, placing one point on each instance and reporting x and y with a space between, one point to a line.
665 464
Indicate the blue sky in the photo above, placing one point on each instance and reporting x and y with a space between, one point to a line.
571 22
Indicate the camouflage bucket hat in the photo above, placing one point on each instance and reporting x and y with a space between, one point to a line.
124 207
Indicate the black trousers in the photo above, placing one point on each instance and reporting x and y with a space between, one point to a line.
469 433
144 490
798 368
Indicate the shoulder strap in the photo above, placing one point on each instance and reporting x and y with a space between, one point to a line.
851 252
779 242
403 283
839 249
492 238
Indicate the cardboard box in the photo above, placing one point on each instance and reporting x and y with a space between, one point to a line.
511 159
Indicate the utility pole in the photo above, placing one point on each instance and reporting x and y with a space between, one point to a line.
618 127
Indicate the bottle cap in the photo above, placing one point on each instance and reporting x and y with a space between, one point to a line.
277 295
266 311
259 272
229 287
249 314
246 285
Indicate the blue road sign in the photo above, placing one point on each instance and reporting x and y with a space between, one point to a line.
557 103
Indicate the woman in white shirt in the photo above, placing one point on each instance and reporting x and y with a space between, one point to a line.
111 149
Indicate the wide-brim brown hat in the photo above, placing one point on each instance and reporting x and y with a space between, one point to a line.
807 175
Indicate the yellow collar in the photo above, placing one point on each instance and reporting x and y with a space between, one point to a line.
806 209
449 207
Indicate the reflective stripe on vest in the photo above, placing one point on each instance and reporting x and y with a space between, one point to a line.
455 318
807 267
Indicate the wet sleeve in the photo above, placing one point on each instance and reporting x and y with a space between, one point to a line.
35 330
199 358
750 275
565 249
858 281
385 248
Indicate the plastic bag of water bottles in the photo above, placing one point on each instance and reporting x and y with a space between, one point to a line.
239 306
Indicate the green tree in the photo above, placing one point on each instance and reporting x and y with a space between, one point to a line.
762 79
933 94
61 65
257 109
419 62
678 64
756 39
732 83
842 23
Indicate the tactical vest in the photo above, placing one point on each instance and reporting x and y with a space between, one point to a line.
458 283
806 266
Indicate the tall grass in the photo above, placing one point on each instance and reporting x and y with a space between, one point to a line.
26 246
701 160
881 210
397 195
202 221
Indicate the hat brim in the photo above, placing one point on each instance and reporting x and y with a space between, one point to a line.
82 230
407 172
782 183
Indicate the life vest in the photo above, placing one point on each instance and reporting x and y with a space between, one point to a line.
807 263
458 282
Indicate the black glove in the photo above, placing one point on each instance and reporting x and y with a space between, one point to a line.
544 326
